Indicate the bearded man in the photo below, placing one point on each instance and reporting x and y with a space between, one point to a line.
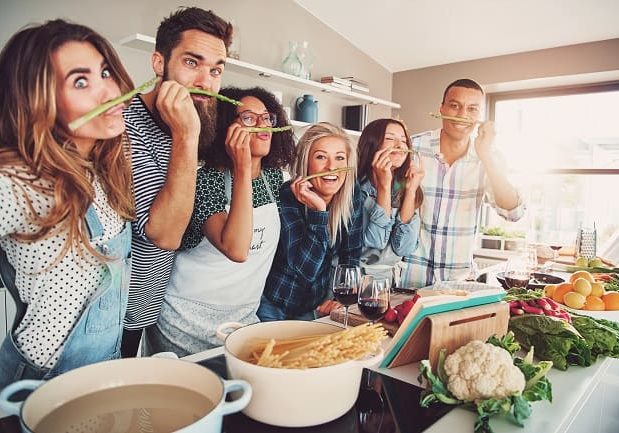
166 127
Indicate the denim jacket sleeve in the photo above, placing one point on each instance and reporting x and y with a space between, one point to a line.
376 224
304 234
405 237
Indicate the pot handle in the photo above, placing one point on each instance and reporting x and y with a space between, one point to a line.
374 360
219 332
13 408
240 403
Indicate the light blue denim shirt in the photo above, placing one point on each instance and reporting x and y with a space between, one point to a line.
385 239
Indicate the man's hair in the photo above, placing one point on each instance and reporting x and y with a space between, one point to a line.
463 82
171 28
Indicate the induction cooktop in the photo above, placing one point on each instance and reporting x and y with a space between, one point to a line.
384 405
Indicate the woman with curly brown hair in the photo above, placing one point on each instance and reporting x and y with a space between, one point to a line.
64 200
234 230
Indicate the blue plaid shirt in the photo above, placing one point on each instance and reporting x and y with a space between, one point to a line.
301 275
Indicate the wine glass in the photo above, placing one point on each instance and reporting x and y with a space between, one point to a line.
373 299
517 273
345 286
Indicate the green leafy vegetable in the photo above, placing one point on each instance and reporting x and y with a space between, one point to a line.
97 111
507 342
268 129
223 98
554 340
523 294
601 338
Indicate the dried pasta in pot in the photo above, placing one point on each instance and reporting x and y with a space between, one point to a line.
318 350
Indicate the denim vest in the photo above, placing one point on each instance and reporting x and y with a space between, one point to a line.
97 334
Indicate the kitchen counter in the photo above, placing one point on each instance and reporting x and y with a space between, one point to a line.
571 389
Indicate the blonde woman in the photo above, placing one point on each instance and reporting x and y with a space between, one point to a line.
64 201
321 224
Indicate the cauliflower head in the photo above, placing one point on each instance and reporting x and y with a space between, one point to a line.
479 370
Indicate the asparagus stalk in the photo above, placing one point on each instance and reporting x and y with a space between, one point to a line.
327 173
195 91
455 119
268 129
79 122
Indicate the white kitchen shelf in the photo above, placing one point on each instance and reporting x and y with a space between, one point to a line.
146 43
299 124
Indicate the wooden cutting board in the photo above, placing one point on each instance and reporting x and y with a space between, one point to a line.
356 318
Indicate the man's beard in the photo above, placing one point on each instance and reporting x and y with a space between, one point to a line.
207 112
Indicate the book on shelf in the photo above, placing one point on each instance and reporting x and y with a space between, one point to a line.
345 84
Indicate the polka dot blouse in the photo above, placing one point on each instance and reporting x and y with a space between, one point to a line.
56 295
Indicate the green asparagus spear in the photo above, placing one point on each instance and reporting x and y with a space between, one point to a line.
195 91
268 129
327 173
109 104
455 119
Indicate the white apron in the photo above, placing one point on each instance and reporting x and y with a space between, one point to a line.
206 288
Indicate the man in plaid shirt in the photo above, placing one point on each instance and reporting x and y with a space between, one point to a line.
461 172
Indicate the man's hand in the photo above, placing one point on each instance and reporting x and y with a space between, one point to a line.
302 191
178 112
484 140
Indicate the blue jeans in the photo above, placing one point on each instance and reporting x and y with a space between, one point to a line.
269 312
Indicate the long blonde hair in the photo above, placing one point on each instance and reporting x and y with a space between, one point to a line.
35 146
341 206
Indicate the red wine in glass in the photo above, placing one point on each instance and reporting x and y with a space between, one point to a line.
373 309
345 295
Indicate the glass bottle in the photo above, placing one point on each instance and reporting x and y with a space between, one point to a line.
291 63
307 60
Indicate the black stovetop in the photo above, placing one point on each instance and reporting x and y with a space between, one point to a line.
384 405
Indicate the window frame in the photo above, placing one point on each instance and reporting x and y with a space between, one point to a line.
607 86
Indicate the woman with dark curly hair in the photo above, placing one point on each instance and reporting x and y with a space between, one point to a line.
234 230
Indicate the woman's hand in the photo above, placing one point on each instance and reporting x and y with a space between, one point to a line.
414 175
325 308
381 169
237 146
302 191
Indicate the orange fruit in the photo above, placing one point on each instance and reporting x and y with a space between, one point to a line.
549 289
611 300
581 274
561 290
594 303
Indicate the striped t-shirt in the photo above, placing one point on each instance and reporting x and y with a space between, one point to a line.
151 266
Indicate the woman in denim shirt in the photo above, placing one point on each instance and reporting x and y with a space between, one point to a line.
390 181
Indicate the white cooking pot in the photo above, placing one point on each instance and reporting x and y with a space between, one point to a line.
51 395
292 397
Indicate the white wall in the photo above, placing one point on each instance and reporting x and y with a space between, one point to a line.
265 26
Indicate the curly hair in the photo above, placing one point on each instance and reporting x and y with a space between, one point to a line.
369 142
282 143
35 144
171 29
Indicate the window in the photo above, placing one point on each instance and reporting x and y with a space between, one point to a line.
562 149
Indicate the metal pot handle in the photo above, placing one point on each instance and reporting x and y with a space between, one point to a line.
219 332
13 408
374 360
240 403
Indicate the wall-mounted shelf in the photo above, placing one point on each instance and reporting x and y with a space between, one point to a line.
147 43
299 124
